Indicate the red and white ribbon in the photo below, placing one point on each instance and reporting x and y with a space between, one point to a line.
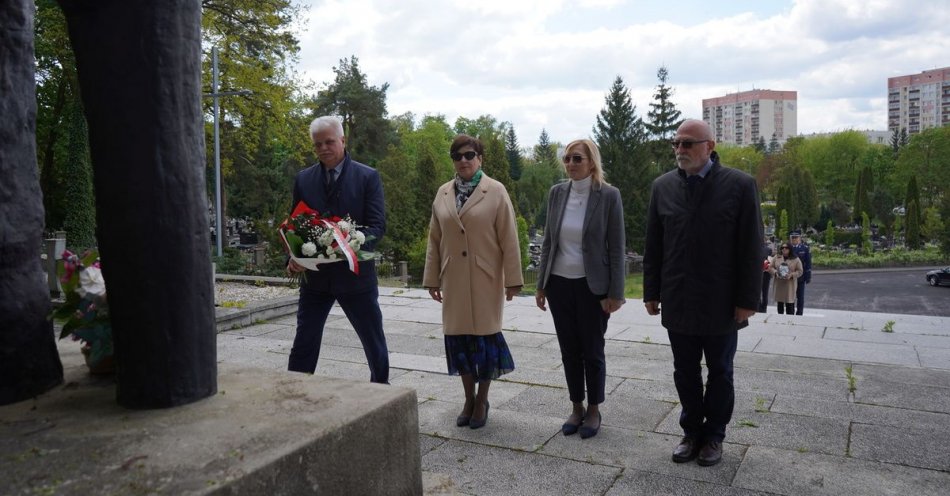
344 245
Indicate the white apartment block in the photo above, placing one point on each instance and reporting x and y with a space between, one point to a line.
741 118
918 101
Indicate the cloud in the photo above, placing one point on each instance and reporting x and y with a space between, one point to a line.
549 64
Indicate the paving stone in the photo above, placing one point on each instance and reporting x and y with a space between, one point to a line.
841 410
635 368
789 328
661 390
913 396
838 350
505 428
896 337
258 329
419 345
527 339
934 358
514 472
640 483
901 417
645 451
798 385
790 364
429 386
791 473
901 445
902 375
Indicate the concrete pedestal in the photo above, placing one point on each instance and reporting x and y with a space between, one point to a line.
265 432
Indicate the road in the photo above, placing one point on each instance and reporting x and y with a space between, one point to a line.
903 291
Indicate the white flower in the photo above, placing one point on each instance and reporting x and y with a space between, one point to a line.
344 226
355 244
326 238
91 282
330 252
333 256
308 249
360 237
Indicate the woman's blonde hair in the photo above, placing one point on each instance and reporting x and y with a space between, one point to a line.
593 153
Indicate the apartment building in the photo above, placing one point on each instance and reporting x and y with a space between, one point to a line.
918 101
742 118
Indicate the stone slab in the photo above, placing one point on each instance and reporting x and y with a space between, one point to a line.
791 473
838 350
906 445
479 469
264 432
913 396
640 483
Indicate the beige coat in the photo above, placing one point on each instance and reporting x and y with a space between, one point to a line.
473 255
785 288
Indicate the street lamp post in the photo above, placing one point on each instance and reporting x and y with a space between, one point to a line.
214 95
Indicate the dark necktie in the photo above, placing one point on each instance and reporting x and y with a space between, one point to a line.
331 178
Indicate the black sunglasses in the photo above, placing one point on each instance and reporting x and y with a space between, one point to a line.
686 144
573 158
456 156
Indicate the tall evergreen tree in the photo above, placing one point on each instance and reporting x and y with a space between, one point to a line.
913 196
862 204
912 226
663 117
362 107
80 212
760 145
620 134
513 150
545 152
774 146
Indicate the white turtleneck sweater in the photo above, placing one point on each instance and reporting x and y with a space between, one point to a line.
569 259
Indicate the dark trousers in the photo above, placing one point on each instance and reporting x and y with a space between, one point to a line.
580 323
706 413
362 309
783 308
764 302
800 298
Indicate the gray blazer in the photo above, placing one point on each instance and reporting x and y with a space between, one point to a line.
603 242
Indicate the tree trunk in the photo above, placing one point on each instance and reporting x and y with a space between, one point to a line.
139 70
29 362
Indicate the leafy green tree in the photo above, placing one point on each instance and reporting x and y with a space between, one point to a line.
663 118
523 241
745 158
927 159
943 236
495 158
362 108
882 209
932 224
783 225
620 135
834 163
829 233
513 151
539 174
862 204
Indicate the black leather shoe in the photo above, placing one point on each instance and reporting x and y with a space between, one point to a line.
463 420
686 450
568 428
477 424
710 454
587 431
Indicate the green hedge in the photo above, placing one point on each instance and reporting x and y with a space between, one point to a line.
897 257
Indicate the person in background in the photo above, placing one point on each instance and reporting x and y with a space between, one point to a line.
804 254
473 264
786 268
581 274
339 185
707 290
766 275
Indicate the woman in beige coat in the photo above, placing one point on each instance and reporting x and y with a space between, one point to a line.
473 264
787 268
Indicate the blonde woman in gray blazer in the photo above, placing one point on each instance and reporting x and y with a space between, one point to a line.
581 275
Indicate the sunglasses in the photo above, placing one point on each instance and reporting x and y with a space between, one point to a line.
573 158
685 144
469 155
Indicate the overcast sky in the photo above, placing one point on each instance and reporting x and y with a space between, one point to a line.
549 63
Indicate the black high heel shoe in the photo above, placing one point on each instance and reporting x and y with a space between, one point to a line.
463 420
568 428
587 431
477 424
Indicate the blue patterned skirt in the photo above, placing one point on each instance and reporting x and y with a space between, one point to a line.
484 357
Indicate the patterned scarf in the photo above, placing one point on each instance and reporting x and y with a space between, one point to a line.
464 189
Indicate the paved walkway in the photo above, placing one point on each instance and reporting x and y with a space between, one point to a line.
830 402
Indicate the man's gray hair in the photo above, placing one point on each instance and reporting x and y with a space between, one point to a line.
326 122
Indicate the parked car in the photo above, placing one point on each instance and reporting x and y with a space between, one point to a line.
937 277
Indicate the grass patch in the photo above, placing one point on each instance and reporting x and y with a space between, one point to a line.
888 326
852 380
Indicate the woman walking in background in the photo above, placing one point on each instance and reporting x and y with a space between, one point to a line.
786 268
473 264
581 274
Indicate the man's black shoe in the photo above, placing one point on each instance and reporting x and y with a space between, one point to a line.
710 454
686 450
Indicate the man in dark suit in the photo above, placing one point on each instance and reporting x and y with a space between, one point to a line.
804 254
338 185
708 289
